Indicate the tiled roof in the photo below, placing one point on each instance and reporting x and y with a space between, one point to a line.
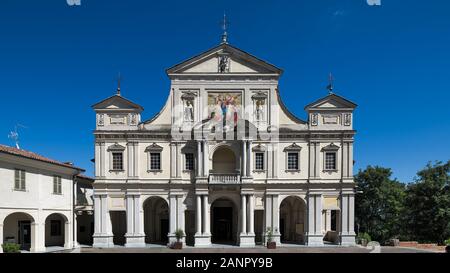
31 155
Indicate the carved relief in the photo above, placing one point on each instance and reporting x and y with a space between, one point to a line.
117 119
224 64
133 119
314 119
101 120
347 119
330 119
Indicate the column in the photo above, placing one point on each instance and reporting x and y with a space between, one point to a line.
327 220
173 214
205 159
315 236
102 159
268 211
97 159
198 216
251 216
350 159
249 156
180 216
1 236
199 158
206 223
243 214
173 159
179 160
244 158
318 217
317 160
351 214
276 218
97 214
130 215
130 157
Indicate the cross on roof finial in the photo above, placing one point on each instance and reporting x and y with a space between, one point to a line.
118 85
224 27
330 86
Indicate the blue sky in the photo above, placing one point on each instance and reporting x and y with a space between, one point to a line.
393 60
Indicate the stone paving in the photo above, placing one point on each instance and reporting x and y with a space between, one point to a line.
258 249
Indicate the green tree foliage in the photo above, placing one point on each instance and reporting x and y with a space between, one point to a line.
379 207
427 205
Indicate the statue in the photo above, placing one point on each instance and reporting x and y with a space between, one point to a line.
223 64
259 111
189 111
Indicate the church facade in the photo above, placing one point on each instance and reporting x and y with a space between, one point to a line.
224 161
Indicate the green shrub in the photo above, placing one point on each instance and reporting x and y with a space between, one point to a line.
179 233
362 236
11 248
269 234
447 242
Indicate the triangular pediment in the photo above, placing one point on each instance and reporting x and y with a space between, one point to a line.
238 62
117 102
332 101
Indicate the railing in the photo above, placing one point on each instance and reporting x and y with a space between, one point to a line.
219 178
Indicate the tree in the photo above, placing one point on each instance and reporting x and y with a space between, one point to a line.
427 205
378 208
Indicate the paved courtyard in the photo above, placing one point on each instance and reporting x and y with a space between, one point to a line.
258 249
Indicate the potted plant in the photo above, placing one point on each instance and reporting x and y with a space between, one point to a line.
179 234
447 248
270 243
11 248
364 238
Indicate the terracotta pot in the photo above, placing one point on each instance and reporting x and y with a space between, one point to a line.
177 245
271 245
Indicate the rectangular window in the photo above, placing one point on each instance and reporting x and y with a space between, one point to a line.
155 161
189 162
19 180
259 161
330 161
57 188
293 161
117 163
55 228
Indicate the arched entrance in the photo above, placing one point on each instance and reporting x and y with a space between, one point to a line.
17 228
156 220
224 161
56 233
292 220
224 216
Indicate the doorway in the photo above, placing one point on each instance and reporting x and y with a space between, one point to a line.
24 235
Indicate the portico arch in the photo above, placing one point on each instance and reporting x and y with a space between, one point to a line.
57 230
293 220
156 220
225 161
19 228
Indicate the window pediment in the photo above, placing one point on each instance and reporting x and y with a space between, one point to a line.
154 148
116 148
259 148
293 148
330 148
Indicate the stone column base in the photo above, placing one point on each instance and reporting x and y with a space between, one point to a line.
348 239
135 240
247 240
103 241
314 240
202 240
